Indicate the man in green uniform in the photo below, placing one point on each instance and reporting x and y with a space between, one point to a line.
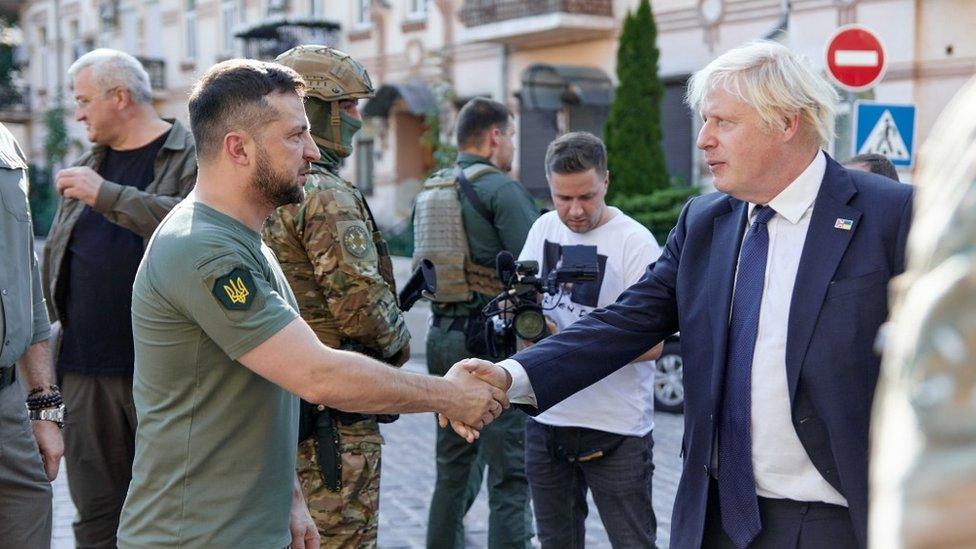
29 455
484 135
220 350
340 270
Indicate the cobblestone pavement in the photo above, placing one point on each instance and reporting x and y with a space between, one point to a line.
408 472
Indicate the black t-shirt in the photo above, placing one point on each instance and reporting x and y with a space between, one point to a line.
101 261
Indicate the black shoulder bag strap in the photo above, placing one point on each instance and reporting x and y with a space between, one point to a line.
476 202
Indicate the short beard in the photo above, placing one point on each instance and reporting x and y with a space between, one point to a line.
274 188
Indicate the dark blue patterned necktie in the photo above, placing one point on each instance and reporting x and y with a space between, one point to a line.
736 480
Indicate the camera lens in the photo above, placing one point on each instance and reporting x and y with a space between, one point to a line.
530 324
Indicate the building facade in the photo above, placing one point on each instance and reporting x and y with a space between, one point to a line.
552 61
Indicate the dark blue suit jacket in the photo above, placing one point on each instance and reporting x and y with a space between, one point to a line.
839 300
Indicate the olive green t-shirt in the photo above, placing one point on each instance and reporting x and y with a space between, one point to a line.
215 446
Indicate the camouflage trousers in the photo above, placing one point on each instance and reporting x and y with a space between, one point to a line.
348 518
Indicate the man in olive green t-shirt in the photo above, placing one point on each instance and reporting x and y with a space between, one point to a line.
220 350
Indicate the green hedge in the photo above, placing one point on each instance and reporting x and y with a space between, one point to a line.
659 210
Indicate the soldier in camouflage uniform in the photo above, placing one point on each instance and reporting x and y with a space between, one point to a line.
340 270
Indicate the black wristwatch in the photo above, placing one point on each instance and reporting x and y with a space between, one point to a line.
48 414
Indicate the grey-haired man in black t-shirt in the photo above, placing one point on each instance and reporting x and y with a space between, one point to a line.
140 166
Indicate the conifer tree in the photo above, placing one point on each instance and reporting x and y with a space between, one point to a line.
633 128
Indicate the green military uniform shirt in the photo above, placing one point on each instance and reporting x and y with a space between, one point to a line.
327 250
216 444
514 211
23 318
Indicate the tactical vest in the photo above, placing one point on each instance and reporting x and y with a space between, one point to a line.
439 236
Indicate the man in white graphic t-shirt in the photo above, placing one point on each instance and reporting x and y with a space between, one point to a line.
600 438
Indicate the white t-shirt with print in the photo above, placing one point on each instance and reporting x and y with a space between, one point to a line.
623 402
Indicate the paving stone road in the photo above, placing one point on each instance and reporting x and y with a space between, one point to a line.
408 473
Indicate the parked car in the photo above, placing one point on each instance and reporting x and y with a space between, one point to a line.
669 388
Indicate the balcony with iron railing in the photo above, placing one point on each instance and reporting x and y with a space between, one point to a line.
535 22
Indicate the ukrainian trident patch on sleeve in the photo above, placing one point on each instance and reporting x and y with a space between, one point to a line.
235 290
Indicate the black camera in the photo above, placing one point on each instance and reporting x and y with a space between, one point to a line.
516 311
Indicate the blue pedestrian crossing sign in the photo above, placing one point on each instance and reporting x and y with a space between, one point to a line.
885 129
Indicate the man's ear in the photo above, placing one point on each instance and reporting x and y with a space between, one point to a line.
122 97
495 137
236 148
606 180
791 125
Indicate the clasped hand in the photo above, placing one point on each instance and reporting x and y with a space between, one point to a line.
488 379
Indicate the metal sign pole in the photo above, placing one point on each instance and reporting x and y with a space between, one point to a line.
851 113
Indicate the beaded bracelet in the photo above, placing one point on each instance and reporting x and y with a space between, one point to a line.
47 401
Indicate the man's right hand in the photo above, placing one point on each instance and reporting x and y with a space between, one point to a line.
495 375
476 401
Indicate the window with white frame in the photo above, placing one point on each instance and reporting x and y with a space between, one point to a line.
190 17
363 16
230 17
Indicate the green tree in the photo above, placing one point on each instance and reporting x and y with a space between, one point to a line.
633 129
8 68
435 137
56 141
43 199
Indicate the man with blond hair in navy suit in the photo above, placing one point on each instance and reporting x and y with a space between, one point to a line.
778 284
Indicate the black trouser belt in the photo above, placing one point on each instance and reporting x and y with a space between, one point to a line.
8 375
455 323
821 508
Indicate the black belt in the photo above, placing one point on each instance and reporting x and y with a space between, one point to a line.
8 376
818 508
457 324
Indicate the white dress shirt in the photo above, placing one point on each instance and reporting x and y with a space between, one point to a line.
781 465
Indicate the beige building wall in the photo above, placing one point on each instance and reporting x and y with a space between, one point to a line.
930 45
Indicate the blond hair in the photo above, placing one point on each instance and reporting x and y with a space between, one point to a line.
775 81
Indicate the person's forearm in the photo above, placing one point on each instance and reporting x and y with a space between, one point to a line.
128 207
34 367
368 386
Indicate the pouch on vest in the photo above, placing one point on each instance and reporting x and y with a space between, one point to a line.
439 236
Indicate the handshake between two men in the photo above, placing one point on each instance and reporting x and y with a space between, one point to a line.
497 377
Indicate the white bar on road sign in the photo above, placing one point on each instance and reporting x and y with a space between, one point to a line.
856 58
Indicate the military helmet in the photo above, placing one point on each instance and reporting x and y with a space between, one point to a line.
331 75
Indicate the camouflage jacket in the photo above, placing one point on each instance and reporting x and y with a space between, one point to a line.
337 264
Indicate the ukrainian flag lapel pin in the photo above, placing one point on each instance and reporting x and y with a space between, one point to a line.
844 224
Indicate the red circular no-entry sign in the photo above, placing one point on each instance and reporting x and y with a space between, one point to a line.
856 58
